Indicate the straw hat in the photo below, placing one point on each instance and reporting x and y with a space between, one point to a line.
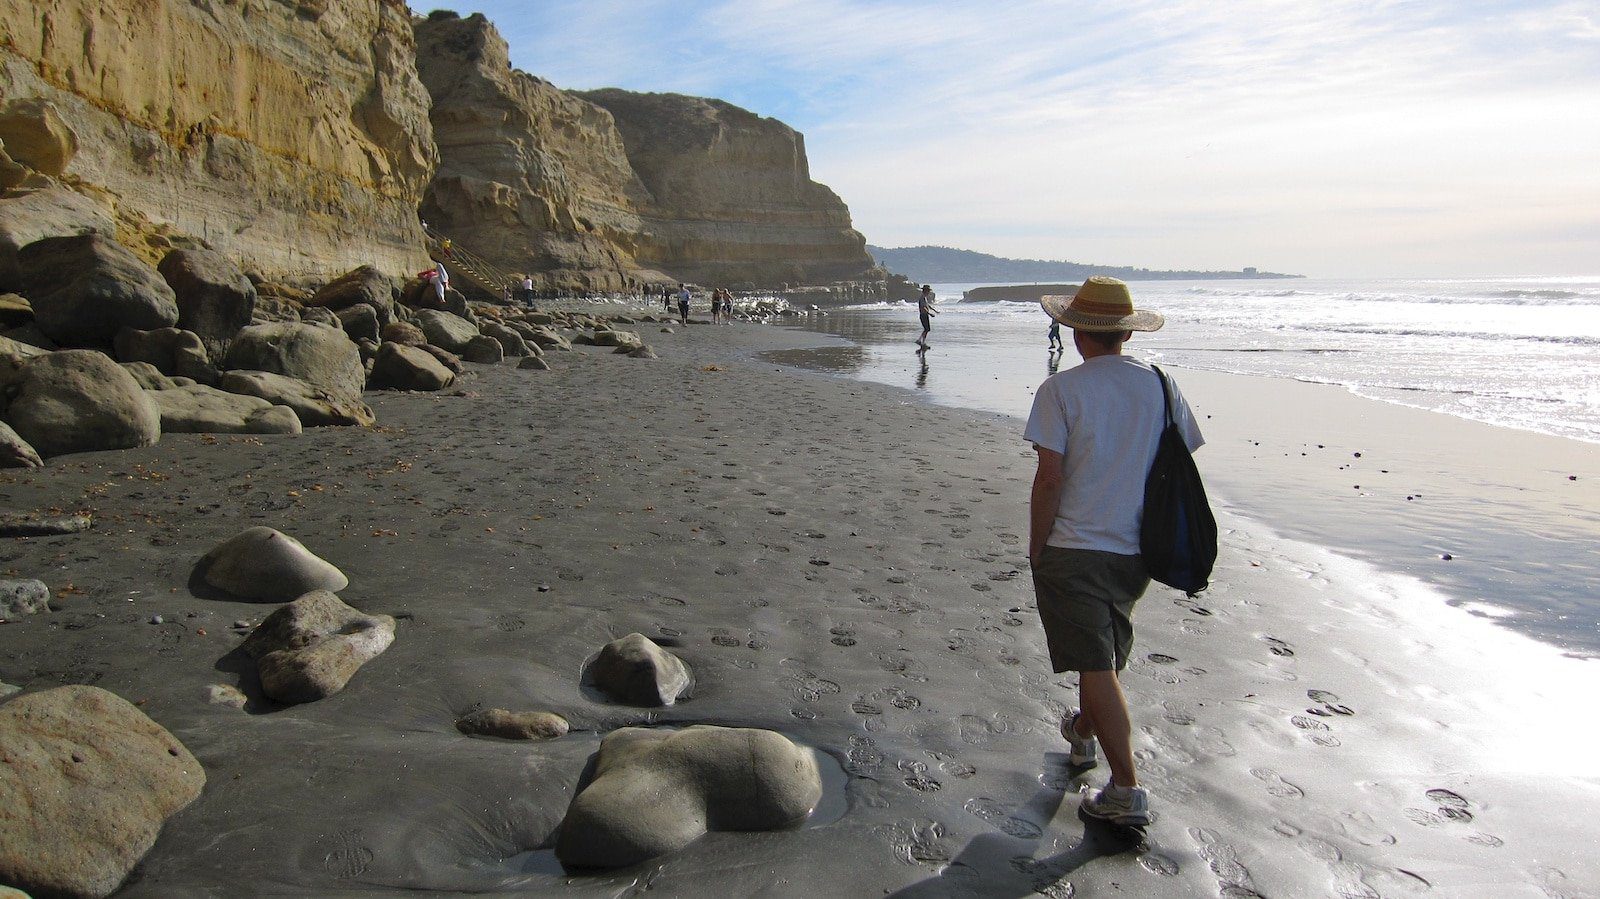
1101 304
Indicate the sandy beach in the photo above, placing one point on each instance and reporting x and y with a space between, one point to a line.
845 565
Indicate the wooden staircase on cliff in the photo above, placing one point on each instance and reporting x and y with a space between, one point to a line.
489 279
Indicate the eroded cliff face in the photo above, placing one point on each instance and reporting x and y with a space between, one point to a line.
530 176
729 196
292 135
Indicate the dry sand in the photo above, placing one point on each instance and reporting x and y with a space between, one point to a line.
838 563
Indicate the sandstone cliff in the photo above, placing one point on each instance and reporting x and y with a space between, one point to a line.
530 176
728 195
292 135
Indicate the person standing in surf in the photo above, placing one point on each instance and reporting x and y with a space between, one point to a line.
925 312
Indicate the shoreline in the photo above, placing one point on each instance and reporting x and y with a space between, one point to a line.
836 562
1396 485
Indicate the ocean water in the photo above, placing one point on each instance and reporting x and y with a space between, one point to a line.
1519 353
1514 353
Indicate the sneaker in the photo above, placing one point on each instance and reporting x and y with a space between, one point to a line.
1125 806
1083 748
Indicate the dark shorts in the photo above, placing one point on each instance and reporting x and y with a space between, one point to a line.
927 323
1086 600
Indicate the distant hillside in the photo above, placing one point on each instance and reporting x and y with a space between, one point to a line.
951 265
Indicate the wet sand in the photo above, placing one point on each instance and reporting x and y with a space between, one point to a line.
837 562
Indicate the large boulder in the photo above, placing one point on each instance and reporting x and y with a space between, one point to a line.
30 216
363 285
484 350
635 670
656 791
88 781
617 339
215 299
310 648
77 401
36 136
198 409
85 289
16 452
266 565
403 333
360 322
446 330
550 340
511 343
446 358
400 367
315 406
325 357
172 351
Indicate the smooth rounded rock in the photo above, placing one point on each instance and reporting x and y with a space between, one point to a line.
85 289
654 792
215 300
267 565
309 649
16 452
483 350
87 783
76 401
533 363
446 330
401 367
513 725
637 671
315 406
320 356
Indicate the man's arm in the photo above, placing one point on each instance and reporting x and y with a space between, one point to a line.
1045 500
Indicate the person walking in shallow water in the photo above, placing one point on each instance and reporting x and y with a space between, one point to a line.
925 312
1056 345
1095 427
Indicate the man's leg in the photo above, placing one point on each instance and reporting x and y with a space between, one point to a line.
1105 717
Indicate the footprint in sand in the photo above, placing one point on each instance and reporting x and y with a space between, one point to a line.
994 812
1330 704
864 756
1232 876
349 858
1316 731
1161 658
917 777
1276 785
1277 647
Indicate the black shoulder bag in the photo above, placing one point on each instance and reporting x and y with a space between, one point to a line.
1178 537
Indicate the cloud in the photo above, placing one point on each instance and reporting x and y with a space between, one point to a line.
1191 134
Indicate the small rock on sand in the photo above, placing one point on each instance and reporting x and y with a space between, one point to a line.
657 791
13 525
23 597
635 670
533 363
513 725
223 694
8 690
267 565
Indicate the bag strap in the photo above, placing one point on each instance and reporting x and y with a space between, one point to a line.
1166 397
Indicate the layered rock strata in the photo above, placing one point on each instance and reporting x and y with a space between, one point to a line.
728 196
293 137
531 176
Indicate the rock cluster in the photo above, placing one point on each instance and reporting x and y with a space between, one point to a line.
656 791
101 773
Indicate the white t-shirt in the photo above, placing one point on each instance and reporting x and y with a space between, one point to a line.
1104 417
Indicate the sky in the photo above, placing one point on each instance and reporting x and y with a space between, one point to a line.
1454 138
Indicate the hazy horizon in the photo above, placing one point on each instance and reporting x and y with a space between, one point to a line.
1347 139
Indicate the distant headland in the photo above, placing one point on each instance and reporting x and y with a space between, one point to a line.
947 264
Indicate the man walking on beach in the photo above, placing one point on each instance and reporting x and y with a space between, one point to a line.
925 312
683 303
1095 427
